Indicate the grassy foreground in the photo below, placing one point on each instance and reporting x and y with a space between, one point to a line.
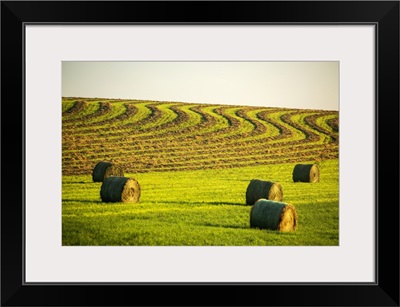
200 208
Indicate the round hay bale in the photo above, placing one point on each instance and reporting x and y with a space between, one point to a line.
120 189
273 215
103 170
306 173
263 189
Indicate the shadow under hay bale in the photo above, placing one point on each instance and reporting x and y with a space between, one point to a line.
306 173
103 170
273 215
120 189
263 189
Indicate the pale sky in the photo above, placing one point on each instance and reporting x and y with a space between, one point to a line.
303 85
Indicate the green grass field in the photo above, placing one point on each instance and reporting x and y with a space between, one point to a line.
194 164
202 207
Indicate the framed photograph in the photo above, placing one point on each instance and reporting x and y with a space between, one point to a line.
220 153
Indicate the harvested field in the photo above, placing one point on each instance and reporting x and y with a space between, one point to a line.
194 163
147 136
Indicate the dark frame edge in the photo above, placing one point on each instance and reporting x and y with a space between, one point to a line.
387 87
15 293
11 283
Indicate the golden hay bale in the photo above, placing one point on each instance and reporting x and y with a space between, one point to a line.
274 215
306 173
120 189
263 189
103 170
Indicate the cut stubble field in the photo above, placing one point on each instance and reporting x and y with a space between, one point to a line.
194 163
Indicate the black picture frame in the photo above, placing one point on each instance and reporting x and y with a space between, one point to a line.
383 14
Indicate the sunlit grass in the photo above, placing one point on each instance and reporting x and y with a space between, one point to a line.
198 208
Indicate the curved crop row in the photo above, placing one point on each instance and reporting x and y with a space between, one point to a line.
148 136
